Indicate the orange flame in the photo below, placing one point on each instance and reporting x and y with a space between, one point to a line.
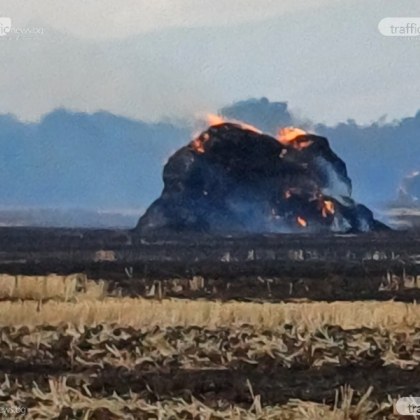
213 119
327 208
290 136
301 221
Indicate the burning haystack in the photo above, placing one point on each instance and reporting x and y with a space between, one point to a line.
233 178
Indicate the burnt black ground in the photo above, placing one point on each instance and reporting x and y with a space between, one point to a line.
260 267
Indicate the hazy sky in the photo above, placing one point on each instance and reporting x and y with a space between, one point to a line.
152 58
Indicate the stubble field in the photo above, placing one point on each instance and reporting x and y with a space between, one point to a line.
280 338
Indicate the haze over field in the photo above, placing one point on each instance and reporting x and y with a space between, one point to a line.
146 60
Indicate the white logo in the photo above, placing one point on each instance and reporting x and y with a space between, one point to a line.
18 32
408 406
400 26
5 25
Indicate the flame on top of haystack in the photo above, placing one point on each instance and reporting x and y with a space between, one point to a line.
288 136
292 136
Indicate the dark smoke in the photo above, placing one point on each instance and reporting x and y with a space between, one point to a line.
261 113
409 191
378 155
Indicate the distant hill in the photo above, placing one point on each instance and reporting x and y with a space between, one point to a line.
88 161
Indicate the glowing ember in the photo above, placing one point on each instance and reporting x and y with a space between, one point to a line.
327 208
293 136
301 221
249 127
198 143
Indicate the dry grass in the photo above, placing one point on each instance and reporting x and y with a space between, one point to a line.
74 300
141 313
73 286
61 397
200 348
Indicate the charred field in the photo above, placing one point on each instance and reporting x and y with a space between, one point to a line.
255 286
111 324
